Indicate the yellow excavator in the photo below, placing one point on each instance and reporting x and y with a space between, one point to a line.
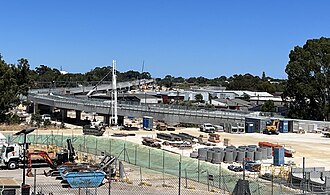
272 127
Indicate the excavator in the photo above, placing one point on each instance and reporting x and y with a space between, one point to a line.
272 127
63 157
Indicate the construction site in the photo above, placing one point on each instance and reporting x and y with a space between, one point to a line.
98 146
175 161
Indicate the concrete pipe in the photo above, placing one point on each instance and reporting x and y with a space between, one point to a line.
209 155
217 157
229 157
240 156
202 153
257 155
249 155
269 152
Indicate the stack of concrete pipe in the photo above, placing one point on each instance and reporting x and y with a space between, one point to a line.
232 154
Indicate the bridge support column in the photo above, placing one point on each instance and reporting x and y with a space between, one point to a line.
35 108
78 115
106 120
120 120
64 114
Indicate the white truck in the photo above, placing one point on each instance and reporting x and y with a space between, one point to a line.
11 155
207 128
3 140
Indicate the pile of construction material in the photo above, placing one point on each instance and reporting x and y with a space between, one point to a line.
214 138
177 137
147 141
209 141
181 140
232 154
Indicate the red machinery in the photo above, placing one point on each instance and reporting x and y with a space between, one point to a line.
287 152
44 155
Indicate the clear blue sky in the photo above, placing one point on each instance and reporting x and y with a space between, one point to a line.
185 38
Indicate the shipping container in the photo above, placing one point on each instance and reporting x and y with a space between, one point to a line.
259 123
278 158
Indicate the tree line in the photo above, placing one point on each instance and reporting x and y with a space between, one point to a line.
235 82
44 76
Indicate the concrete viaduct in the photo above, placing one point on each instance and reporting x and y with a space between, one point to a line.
158 112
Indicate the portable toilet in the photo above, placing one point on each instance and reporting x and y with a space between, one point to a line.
278 159
284 126
249 127
147 123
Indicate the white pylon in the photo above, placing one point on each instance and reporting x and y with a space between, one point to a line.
114 92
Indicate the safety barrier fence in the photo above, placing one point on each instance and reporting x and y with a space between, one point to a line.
185 171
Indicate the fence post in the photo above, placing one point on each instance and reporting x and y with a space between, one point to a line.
163 168
149 158
35 182
186 179
84 143
62 140
180 177
52 138
208 182
198 165
140 175
109 189
110 147
125 151
220 176
96 146
135 155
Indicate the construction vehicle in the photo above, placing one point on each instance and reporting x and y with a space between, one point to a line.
272 127
96 128
11 156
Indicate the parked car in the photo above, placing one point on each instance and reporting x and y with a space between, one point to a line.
207 128
218 128
45 117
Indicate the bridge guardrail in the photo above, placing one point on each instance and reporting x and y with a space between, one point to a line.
70 102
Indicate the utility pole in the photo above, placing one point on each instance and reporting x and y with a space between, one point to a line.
114 91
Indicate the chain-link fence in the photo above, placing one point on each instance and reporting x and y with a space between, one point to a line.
172 172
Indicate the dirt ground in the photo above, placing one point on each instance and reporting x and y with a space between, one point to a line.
314 147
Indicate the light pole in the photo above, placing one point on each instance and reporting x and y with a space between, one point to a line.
25 132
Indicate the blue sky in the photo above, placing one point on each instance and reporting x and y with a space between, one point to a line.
185 38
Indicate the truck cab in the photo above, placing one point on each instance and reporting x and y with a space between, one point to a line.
207 128
10 156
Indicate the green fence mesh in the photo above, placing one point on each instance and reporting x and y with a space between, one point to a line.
155 159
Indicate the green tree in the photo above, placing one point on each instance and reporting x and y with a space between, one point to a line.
268 106
14 81
168 81
308 82
199 97
263 77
